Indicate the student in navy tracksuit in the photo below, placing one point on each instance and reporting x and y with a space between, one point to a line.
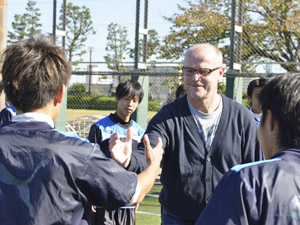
265 192
48 176
129 94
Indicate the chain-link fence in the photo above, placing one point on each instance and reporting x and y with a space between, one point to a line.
257 38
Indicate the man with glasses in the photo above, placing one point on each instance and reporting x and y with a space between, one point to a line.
204 134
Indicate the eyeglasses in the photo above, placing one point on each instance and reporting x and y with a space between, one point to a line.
202 71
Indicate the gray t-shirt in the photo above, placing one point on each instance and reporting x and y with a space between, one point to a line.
207 123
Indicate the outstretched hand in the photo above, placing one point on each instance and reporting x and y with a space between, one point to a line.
121 150
153 155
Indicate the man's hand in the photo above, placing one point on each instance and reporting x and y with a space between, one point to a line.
153 155
121 150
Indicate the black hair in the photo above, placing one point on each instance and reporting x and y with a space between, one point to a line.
281 96
130 88
261 82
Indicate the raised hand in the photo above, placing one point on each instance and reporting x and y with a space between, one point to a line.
153 155
121 150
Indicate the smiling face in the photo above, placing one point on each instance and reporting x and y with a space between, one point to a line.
201 87
126 106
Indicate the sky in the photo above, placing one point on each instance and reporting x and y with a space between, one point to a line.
103 12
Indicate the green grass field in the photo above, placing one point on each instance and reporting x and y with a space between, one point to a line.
148 212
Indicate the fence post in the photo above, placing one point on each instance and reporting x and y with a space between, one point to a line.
234 85
60 122
141 114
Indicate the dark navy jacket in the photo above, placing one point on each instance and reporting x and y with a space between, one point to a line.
265 192
190 173
47 177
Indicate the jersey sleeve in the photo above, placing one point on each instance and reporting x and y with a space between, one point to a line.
103 182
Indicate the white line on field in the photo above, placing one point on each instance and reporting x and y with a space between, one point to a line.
148 213
151 195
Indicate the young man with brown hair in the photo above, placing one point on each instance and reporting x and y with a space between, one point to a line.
47 176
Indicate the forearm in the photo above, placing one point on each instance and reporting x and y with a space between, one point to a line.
146 180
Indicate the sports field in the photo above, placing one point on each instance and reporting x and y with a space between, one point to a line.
148 212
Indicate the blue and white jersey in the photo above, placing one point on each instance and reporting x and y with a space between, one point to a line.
264 192
102 130
6 114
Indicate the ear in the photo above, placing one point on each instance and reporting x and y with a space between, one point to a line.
274 125
271 119
249 99
58 98
221 71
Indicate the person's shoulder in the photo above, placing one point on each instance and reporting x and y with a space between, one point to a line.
233 103
239 109
254 165
138 126
71 136
104 121
179 105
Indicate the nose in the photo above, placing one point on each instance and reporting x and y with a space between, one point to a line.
196 76
130 102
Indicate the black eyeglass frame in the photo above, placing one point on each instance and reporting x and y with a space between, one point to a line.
208 72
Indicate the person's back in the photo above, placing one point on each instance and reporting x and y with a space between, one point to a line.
38 167
47 176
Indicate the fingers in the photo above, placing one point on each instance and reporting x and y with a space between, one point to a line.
113 138
129 134
147 142
159 143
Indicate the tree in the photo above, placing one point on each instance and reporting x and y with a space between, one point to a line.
153 45
117 44
270 30
25 25
79 27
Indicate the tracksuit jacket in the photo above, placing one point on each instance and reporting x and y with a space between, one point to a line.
264 192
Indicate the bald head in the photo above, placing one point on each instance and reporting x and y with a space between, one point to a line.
207 51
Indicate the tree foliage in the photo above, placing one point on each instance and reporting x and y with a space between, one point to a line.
271 30
153 46
79 26
25 25
117 45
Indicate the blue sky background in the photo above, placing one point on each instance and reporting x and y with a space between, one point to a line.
122 12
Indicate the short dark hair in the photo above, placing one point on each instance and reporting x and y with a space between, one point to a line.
180 90
281 95
261 82
33 72
130 88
